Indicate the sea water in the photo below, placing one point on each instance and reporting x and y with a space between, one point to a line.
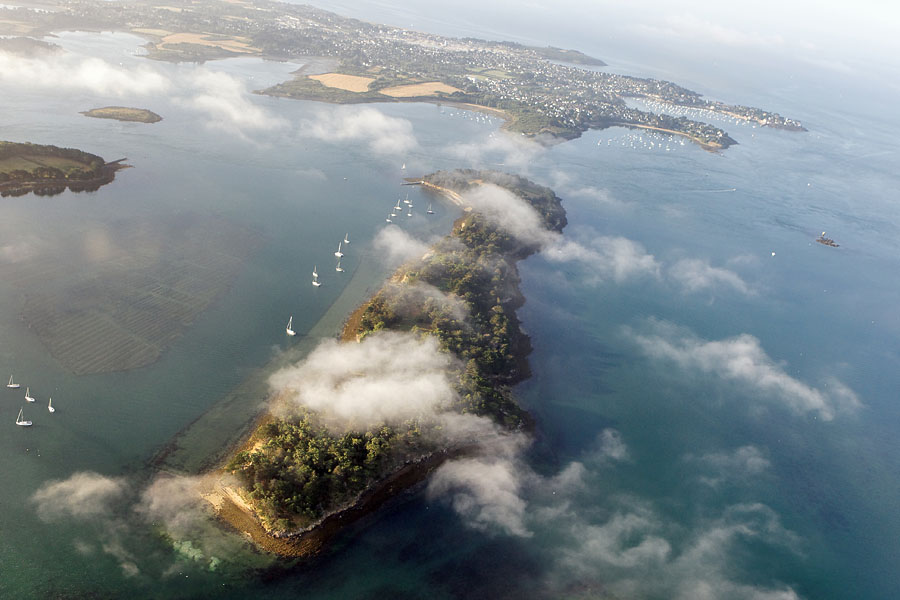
813 513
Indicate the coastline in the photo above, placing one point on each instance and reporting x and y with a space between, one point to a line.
51 187
708 146
229 501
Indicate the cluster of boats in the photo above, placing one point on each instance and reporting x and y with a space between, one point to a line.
339 254
397 210
20 418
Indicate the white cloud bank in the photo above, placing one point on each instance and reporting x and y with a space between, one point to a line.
380 133
605 258
742 360
389 377
227 104
70 72
83 495
695 275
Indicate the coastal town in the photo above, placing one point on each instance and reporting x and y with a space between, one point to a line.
549 93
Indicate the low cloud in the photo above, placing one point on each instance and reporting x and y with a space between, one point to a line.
226 102
611 446
110 506
389 377
381 133
500 149
631 553
66 71
695 275
505 209
606 258
742 360
399 246
738 465
620 542
84 495
485 493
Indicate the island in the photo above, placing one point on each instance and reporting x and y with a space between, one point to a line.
543 93
300 481
49 170
123 113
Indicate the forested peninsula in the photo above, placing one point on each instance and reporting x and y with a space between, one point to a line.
49 170
299 477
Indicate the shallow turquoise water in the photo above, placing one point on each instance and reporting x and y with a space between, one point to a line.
827 528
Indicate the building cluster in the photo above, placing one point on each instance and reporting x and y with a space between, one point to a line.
499 74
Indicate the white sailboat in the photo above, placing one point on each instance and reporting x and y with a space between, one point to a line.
409 213
315 280
403 167
28 397
339 268
406 200
429 211
287 329
339 253
20 419
50 406
388 219
346 238
12 385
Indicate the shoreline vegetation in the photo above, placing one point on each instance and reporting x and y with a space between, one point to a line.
298 482
123 113
544 93
49 170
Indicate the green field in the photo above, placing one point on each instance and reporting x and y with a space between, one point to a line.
27 162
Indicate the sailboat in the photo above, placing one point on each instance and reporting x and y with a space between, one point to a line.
339 268
339 253
288 329
404 166
50 405
388 219
409 212
429 211
20 419
28 397
406 200
12 385
346 238
315 280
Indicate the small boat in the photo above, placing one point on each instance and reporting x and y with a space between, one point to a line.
11 385
20 419
388 219
339 268
50 406
409 214
315 280
288 329
339 253
429 211
825 241
406 200
346 238
28 397
403 167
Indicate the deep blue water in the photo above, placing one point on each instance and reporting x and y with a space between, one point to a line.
723 488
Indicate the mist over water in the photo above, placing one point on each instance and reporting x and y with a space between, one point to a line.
714 392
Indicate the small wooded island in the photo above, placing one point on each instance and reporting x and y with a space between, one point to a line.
303 479
123 113
48 170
